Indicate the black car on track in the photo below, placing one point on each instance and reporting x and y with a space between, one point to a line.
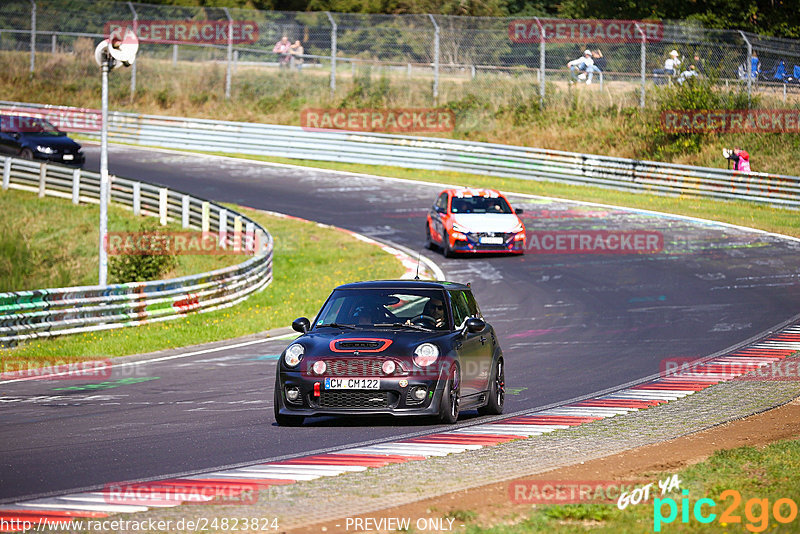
402 348
37 138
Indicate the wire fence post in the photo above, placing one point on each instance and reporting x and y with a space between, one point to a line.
642 64
229 55
435 59
333 53
136 31
541 62
749 65
33 35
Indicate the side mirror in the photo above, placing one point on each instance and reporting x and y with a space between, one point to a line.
475 325
518 211
438 209
301 325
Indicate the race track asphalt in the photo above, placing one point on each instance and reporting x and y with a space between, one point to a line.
569 325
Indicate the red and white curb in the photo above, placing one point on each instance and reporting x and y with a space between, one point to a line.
226 485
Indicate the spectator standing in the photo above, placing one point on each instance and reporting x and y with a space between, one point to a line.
282 49
700 65
581 65
755 66
296 51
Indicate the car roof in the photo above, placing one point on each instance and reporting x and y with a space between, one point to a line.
473 191
405 284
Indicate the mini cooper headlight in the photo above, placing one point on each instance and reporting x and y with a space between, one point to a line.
293 355
426 354
319 367
45 149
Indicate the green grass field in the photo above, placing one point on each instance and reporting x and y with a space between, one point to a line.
35 253
758 477
309 261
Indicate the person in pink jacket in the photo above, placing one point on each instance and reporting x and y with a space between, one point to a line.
739 157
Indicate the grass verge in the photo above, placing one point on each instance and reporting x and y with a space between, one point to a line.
768 218
309 261
35 253
758 477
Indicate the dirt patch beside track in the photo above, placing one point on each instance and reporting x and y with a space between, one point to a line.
491 503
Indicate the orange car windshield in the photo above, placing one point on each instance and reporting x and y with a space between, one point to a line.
480 205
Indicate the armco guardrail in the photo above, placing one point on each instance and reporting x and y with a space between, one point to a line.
437 154
26 315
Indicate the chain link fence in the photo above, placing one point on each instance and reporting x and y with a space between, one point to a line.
428 59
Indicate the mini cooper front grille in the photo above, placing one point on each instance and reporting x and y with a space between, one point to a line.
354 399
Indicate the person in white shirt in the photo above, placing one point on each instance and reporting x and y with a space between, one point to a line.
671 66
581 65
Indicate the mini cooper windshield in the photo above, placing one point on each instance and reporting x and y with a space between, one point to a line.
390 308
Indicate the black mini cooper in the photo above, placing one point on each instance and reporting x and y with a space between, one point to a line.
404 347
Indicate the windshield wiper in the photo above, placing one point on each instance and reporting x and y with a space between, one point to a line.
404 325
338 325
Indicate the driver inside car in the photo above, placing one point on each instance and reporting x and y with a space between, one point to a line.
435 308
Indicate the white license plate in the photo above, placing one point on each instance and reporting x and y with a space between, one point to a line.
68 157
352 383
492 240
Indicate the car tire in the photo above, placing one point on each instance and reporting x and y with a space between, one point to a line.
281 419
451 398
26 153
497 391
446 250
428 241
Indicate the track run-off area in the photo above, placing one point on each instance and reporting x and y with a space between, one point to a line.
569 325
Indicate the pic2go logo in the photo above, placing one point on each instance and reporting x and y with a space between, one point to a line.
756 511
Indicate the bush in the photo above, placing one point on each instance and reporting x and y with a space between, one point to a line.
141 267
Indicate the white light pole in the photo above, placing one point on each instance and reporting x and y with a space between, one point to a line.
117 50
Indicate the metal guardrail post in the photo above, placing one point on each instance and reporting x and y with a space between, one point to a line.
229 55
33 35
541 62
206 218
223 228
237 233
136 31
163 198
42 179
185 211
749 65
333 52
435 59
6 173
642 64
137 198
76 186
